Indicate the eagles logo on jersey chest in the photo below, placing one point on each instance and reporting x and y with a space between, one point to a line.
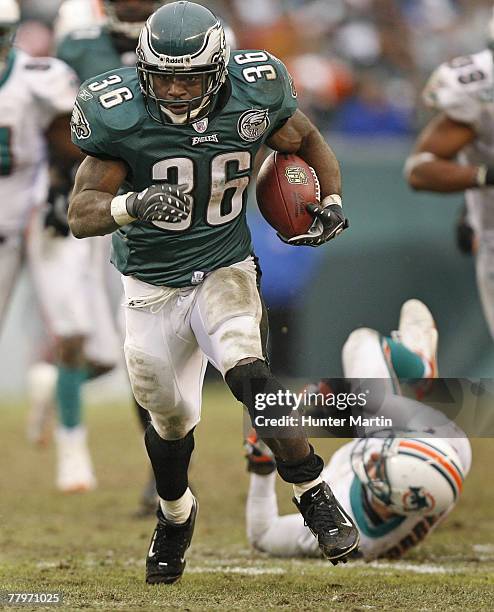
253 123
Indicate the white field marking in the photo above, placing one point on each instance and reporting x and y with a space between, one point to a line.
386 567
248 571
483 548
422 568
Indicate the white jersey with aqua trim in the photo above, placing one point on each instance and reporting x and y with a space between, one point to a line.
464 90
33 92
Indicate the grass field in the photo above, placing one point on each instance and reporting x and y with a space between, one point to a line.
91 549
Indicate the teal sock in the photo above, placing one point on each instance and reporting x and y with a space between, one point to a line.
406 363
69 385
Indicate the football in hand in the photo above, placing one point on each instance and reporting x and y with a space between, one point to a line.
285 185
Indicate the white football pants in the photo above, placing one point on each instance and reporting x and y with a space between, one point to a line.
171 334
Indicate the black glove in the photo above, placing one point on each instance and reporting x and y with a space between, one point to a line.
160 202
56 216
329 222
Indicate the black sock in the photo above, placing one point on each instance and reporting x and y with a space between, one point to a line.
170 460
302 470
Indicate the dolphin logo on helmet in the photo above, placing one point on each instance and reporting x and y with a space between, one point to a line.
409 475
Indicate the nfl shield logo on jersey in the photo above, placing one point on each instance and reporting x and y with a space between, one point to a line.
252 124
201 126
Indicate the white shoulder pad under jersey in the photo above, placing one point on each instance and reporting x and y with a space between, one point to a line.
462 88
53 86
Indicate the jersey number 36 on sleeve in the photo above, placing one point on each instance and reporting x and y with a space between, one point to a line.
253 73
115 96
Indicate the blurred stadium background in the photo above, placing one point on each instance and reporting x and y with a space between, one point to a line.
359 66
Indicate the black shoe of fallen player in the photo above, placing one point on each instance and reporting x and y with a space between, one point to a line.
335 531
165 562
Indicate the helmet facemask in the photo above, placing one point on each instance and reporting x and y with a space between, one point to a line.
369 465
161 109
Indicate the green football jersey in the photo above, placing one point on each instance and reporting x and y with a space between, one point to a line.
90 51
213 157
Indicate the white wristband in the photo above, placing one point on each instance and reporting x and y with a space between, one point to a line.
332 199
118 209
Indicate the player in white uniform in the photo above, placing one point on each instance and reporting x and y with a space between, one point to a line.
455 153
396 489
36 100
35 103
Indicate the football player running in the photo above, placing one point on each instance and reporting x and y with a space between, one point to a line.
397 487
181 134
455 153
36 96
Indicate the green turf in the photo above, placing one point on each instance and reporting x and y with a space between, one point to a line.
91 549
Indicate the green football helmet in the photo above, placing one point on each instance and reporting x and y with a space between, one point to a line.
182 40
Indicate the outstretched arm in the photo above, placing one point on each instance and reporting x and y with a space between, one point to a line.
433 165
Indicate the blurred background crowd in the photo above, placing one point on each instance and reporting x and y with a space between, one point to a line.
359 65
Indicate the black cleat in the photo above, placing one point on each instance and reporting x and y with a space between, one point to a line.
165 562
335 531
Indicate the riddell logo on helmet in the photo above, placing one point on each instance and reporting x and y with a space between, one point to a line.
166 60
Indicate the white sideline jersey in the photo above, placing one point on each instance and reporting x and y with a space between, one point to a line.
33 92
464 90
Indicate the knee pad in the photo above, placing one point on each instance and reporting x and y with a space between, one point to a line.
242 378
250 382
